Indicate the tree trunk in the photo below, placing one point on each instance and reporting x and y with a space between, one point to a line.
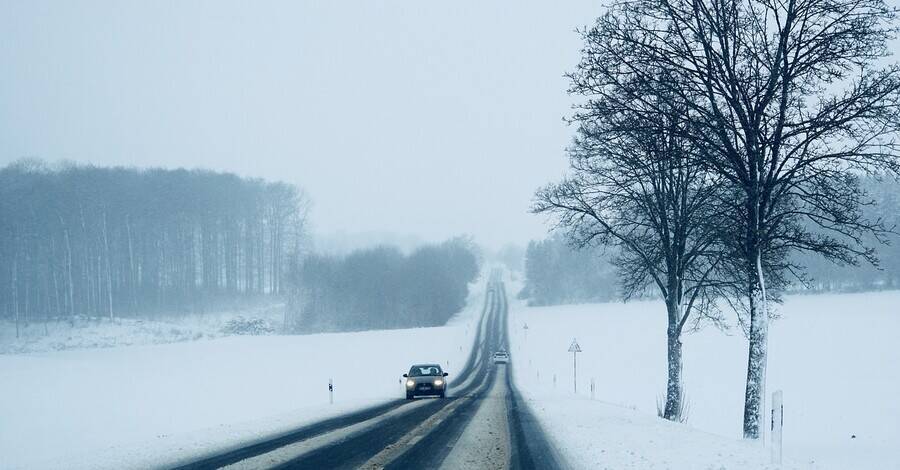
59 304
754 396
15 288
70 288
131 271
109 294
99 284
26 311
674 387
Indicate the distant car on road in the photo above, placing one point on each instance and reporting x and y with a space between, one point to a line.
501 357
425 379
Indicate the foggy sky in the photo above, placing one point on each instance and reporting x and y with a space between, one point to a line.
425 120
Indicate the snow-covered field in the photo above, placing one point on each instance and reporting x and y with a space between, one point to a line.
834 356
89 333
128 407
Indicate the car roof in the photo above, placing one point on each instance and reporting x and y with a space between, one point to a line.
425 365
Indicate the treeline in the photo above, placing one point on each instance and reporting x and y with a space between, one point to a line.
89 241
556 273
382 288
822 275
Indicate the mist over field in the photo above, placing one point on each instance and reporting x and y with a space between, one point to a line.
629 235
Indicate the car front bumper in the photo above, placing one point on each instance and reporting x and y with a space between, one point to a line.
423 389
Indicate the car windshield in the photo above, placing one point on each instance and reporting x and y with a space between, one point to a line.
418 371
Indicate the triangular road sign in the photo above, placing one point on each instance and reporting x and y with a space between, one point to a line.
574 347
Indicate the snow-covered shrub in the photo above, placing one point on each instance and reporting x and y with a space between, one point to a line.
247 326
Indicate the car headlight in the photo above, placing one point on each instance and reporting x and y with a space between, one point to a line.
410 383
438 383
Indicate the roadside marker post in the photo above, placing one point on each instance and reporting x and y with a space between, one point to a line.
777 425
592 388
330 392
574 348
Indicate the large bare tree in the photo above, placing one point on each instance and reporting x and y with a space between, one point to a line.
791 101
635 185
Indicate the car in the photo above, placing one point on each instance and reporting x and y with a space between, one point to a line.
426 380
501 357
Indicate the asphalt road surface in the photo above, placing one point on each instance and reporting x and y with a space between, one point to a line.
483 423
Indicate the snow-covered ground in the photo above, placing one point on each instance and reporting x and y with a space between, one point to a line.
89 333
128 407
834 356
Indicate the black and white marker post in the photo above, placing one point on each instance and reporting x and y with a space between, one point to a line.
777 425
330 392
574 348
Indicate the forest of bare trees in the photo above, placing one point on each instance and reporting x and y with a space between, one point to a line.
557 273
381 287
109 242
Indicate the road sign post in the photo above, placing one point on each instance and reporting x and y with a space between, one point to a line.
574 348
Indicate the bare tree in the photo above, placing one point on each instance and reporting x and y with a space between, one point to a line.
635 185
790 105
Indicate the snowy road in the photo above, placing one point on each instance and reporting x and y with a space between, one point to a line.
482 424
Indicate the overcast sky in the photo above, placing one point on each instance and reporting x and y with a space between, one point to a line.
425 119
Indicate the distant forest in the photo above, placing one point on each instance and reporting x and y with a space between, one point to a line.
105 242
381 287
823 276
556 273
